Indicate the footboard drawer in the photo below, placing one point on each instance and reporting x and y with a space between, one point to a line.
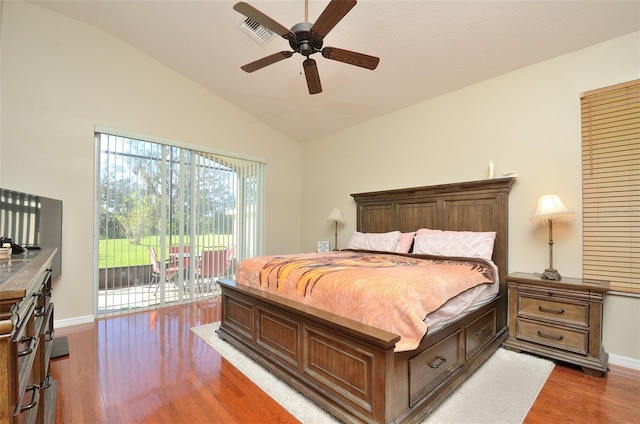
480 332
433 365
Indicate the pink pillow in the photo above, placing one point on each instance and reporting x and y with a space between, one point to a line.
405 242
383 242
468 244
423 231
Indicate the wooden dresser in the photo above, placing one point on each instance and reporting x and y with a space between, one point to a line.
558 319
27 391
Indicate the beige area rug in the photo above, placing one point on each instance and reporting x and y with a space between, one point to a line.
502 390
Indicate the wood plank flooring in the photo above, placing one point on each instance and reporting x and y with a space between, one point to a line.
149 367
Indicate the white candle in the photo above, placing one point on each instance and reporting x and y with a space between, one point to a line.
490 172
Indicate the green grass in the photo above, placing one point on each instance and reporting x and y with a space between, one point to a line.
121 253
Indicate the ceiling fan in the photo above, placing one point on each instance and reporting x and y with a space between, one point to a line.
307 39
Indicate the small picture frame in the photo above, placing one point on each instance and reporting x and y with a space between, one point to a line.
323 246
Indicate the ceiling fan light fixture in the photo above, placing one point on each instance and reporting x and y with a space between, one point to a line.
306 48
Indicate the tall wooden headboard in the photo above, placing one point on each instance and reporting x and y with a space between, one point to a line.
467 206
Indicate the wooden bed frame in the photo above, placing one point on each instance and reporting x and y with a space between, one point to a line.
350 368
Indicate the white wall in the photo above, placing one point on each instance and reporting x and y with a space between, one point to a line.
526 121
60 77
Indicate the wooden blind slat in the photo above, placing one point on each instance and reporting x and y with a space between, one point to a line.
611 120
623 109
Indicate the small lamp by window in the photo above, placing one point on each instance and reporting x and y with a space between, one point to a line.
550 210
336 217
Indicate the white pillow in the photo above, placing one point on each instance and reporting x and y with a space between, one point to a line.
383 242
468 244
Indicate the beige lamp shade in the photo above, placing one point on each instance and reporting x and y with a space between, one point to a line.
551 209
335 216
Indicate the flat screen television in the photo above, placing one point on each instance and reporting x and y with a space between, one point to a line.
32 221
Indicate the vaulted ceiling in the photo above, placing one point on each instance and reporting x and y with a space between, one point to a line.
426 48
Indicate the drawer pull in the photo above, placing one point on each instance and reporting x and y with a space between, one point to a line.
552 311
34 398
481 331
46 383
550 336
39 311
32 344
49 335
441 360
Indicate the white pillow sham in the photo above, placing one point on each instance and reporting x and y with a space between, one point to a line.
468 244
383 242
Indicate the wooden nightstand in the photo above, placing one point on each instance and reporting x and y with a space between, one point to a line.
558 319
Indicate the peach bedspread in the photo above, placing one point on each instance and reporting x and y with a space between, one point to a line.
394 292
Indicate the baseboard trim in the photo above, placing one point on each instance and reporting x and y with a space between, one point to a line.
87 319
623 361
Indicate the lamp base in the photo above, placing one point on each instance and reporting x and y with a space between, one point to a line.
551 274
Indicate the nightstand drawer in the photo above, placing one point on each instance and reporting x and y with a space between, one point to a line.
558 337
556 310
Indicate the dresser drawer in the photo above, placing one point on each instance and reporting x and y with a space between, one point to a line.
433 365
46 338
555 309
572 340
479 332
27 409
24 385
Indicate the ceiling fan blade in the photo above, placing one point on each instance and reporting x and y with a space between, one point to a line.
265 61
352 58
264 20
313 78
330 16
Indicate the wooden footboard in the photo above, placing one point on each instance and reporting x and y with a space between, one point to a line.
350 368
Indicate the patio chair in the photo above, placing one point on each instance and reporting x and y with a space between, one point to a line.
214 263
181 253
170 271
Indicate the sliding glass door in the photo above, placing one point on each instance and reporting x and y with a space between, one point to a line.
172 220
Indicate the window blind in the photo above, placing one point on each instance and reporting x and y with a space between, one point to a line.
611 185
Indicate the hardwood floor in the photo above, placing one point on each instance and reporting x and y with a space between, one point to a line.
571 396
149 367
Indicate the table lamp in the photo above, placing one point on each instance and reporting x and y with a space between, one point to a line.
550 210
336 217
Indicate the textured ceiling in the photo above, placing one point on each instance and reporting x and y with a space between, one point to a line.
426 48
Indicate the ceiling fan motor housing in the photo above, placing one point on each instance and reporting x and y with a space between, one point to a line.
303 43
